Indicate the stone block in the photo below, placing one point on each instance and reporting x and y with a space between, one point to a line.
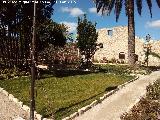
67 118
18 118
120 86
11 97
5 92
94 103
1 89
80 111
88 107
102 98
15 100
44 119
38 116
20 104
72 116
26 108
47 119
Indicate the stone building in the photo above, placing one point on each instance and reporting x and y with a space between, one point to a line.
115 46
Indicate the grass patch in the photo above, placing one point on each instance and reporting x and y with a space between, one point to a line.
60 96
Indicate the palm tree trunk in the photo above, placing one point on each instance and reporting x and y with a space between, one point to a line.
131 33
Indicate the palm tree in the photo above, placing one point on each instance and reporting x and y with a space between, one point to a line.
106 6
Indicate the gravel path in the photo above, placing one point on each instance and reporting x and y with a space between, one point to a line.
115 105
10 111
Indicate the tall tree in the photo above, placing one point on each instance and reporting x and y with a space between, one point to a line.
16 29
87 37
106 6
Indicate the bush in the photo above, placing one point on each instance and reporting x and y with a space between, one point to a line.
113 60
2 77
153 91
9 73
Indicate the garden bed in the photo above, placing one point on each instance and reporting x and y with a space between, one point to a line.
147 108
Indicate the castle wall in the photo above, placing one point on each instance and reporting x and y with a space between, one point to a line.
117 41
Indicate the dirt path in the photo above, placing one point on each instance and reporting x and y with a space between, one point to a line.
115 105
10 110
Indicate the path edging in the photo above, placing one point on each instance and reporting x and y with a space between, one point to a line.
21 105
94 103
72 116
138 100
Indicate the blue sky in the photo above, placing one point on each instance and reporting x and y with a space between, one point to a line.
67 11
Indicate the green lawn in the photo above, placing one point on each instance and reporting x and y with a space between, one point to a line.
62 96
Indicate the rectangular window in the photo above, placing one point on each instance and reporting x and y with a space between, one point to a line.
121 55
110 32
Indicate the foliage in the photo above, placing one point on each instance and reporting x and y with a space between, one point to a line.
87 37
155 54
147 53
125 69
61 96
10 73
107 6
67 55
53 33
153 91
16 32
147 108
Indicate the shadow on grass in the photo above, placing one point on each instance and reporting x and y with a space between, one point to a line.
72 72
66 110
110 88
153 68
62 73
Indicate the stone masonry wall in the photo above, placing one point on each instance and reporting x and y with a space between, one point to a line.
117 42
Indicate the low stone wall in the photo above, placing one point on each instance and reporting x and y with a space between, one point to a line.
94 103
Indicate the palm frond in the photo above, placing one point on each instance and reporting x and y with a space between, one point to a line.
118 8
111 5
150 6
139 6
158 3
155 55
104 6
99 4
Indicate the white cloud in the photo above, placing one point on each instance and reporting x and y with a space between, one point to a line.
153 24
65 9
72 26
92 10
73 11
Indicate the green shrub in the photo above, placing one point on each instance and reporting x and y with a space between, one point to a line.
153 91
113 60
2 77
9 73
